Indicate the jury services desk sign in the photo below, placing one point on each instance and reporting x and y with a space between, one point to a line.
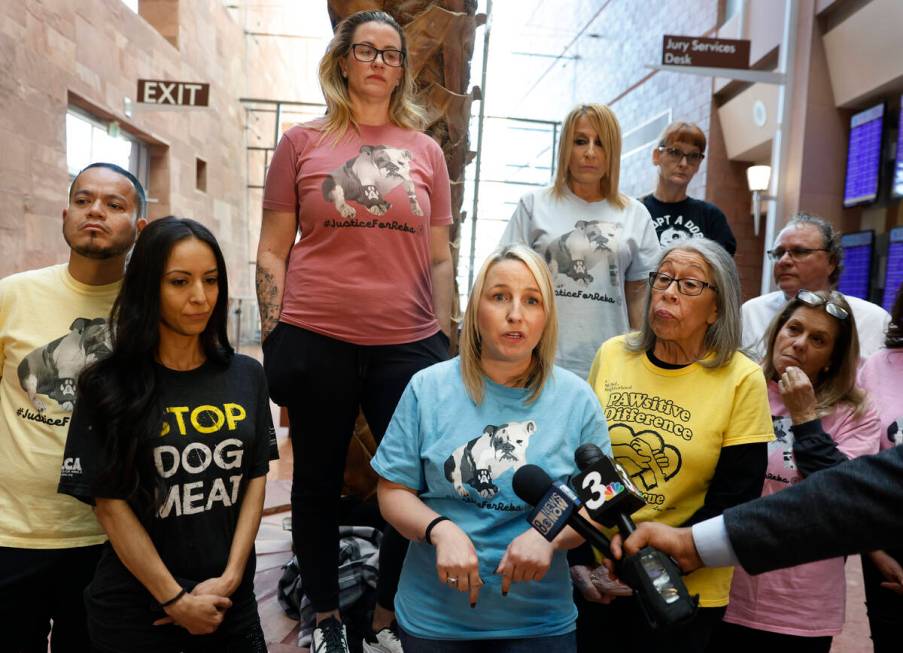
176 94
705 52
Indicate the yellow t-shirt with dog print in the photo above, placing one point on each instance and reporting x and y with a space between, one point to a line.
51 326
667 429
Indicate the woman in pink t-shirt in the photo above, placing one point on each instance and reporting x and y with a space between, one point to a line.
357 304
882 377
821 419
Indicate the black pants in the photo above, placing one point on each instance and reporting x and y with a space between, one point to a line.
175 639
40 585
884 608
323 383
620 626
740 639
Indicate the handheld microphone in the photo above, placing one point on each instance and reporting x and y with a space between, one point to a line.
610 498
607 492
556 506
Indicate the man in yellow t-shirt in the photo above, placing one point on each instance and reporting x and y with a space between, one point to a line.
53 322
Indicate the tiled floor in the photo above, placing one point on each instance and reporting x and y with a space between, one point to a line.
855 636
274 549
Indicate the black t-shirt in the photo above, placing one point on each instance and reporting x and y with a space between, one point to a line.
689 218
217 433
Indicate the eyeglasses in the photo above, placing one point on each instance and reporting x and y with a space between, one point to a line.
688 286
675 154
796 254
814 300
367 53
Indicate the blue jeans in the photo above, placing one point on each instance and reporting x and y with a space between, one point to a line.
566 643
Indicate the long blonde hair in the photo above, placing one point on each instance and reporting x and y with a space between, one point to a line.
471 341
838 383
605 124
403 109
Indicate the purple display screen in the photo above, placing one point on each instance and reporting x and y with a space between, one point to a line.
898 164
864 156
894 276
857 264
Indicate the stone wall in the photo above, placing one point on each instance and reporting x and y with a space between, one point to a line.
89 54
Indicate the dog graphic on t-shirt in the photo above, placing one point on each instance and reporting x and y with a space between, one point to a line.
481 461
368 178
673 235
783 441
589 244
52 370
895 432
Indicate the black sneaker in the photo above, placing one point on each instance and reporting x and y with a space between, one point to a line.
329 637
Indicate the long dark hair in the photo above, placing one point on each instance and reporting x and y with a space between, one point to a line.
123 387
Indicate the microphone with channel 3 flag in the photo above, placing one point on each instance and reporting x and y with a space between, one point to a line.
608 494
610 497
556 506
655 578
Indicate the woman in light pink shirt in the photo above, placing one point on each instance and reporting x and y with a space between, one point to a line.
882 377
354 284
821 419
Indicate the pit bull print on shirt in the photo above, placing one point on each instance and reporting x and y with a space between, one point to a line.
481 461
589 249
368 178
783 441
52 370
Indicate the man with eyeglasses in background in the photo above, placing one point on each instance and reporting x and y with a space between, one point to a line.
807 256
677 216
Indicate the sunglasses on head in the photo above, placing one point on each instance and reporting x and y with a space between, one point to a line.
814 300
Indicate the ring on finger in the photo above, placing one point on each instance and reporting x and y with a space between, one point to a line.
451 580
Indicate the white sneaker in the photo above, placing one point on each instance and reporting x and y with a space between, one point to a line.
385 641
329 637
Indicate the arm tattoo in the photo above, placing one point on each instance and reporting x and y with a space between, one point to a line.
269 301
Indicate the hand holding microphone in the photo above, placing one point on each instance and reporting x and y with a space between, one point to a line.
677 542
610 498
655 578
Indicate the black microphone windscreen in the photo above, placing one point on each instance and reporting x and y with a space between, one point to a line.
587 454
530 483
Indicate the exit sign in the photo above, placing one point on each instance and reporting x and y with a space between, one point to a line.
184 94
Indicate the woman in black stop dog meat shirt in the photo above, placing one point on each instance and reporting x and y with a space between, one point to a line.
171 440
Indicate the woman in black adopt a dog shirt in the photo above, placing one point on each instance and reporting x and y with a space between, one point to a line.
171 440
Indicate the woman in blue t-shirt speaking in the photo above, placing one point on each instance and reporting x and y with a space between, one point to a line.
476 570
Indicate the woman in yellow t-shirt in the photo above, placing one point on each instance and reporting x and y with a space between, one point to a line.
689 421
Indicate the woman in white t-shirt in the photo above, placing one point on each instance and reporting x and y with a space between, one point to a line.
599 244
